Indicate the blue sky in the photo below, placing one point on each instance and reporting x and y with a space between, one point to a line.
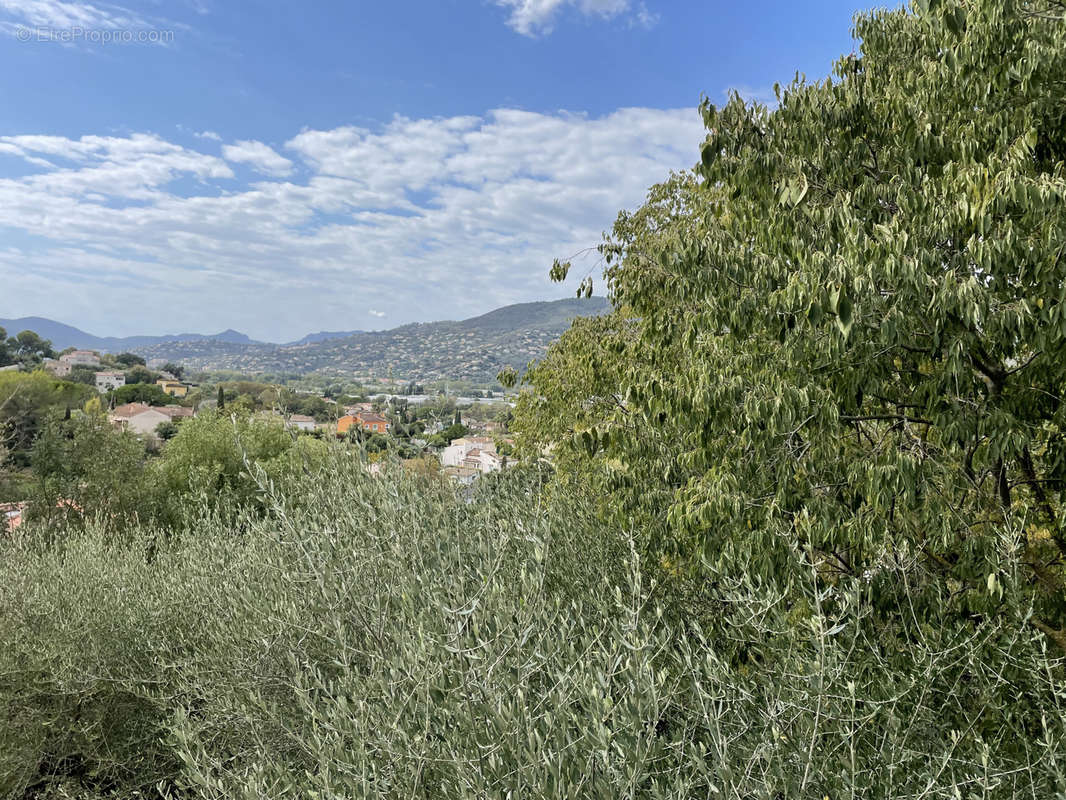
282 168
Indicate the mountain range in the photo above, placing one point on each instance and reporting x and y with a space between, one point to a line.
63 336
474 349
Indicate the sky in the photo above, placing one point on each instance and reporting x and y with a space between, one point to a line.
281 168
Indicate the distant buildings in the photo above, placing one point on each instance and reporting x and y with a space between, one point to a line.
470 456
106 381
81 358
61 367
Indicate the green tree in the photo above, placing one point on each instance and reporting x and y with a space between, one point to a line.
221 398
81 373
177 370
6 359
167 430
139 374
26 400
84 469
140 393
213 458
129 360
29 348
858 317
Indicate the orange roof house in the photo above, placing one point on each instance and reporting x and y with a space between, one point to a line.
374 423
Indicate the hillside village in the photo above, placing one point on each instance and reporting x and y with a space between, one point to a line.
457 438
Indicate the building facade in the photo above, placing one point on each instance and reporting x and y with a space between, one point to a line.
107 381
81 358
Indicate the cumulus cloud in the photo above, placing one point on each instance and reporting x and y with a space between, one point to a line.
375 313
258 156
416 219
214 137
536 17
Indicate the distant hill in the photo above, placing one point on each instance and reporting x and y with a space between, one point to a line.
473 349
63 336
321 336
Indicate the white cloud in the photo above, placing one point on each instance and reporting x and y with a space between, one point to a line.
259 156
417 219
208 135
534 17
645 18
374 313
65 15
73 22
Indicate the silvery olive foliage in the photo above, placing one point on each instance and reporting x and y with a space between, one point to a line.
390 637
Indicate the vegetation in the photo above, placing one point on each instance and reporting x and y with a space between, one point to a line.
25 348
788 522
840 340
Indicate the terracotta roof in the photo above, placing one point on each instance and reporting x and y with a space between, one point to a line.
174 411
130 410
301 418
367 417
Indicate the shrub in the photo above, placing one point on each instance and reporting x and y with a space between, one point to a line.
392 637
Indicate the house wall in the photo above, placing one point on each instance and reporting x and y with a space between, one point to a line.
453 455
146 422
80 358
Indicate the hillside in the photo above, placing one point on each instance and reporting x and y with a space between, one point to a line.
63 336
474 349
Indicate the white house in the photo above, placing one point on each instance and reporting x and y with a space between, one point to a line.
144 419
472 453
301 422
489 461
106 381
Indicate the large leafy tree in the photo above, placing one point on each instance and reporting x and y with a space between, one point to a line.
872 316
86 470
26 401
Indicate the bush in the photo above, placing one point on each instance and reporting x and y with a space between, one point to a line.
391 637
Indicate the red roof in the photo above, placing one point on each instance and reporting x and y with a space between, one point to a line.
130 410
